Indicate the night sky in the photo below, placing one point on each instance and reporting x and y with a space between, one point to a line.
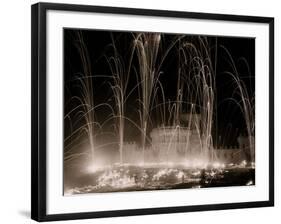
228 120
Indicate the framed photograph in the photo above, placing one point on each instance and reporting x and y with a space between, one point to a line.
139 111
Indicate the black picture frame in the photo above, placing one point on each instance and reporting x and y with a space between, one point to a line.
38 108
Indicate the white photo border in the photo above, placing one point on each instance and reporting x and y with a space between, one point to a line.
59 204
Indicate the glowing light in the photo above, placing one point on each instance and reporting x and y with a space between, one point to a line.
115 179
180 175
218 165
250 182
196 173
243 164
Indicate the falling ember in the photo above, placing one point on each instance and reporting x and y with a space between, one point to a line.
154 111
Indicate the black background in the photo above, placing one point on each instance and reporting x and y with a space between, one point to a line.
228 120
